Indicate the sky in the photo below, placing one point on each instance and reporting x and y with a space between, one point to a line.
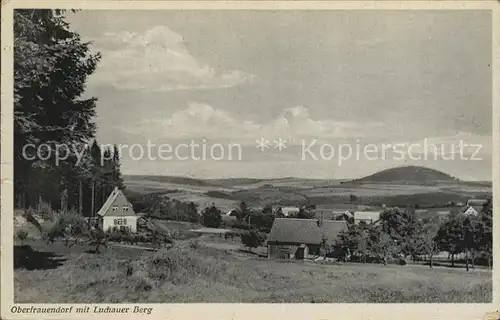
320 78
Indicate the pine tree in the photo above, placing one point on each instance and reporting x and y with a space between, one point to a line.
97 177
117 175
486 244
51 66
107 174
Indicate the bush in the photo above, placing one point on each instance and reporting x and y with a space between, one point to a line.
252 239
194 244
402 262
121 236
211 217
66 225
45 210
22 235
29 214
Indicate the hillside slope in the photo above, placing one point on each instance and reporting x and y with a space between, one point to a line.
407 175
169 179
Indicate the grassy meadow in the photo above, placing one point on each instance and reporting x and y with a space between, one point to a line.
196 273
208 268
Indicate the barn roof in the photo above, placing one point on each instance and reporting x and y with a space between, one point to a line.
306 231
331 214
478 209
116 198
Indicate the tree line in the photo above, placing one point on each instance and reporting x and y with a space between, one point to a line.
51 67
400 234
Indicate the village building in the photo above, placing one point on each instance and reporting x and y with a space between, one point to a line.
332 214
476 202
442 215
292 238
367 217
288 211
472 210
234 212
117 212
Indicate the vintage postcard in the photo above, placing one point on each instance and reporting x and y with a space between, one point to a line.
237 160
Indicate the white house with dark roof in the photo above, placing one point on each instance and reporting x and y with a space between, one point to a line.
367 217
117 212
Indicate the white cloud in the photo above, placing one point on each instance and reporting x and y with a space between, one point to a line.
200 120
300 123
157 60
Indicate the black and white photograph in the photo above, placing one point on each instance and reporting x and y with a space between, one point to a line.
251 156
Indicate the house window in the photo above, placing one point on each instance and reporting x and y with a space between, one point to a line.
114 208
125 208
118 222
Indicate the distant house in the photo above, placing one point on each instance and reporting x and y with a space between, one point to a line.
117 212
476 202
288 211
367 217
443 212
292 238
331 214
233 212
472 210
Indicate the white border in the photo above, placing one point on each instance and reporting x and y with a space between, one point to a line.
240 311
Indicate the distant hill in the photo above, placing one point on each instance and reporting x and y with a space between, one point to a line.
168 179
233 181
407 175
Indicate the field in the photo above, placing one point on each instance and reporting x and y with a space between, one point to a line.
206 267
227 193
187 273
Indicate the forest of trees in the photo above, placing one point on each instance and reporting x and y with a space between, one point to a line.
53 123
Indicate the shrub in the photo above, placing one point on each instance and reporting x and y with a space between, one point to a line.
67 224
29 214
402 262
22 235
252 239
45 210
194 244
128 238
211 217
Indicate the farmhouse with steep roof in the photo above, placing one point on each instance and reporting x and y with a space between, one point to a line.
472 210
117 212
297 238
